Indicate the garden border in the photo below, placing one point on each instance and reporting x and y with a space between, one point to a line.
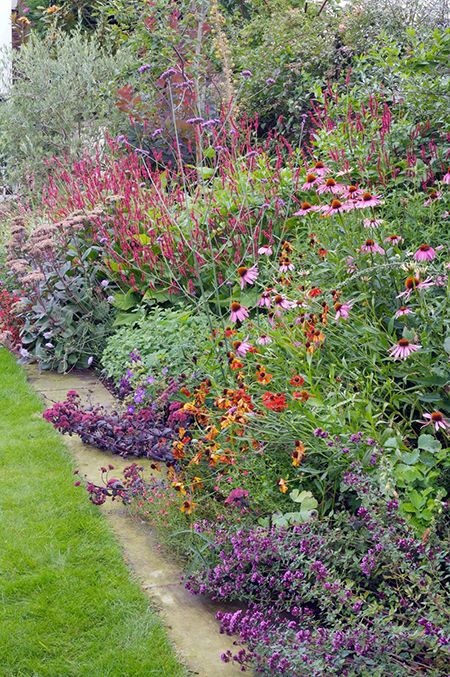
190 620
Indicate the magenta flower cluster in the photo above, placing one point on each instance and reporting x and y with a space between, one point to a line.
336 596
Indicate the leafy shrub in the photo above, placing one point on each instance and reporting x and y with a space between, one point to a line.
146 433
386 119
59 103
289 50
165 337
363 21
63 304
352 594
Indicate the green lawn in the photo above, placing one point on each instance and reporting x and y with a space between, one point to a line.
67 603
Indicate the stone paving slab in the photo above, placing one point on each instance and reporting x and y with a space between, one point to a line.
190 620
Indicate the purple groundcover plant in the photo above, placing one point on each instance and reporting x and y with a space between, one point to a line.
353 594
147 432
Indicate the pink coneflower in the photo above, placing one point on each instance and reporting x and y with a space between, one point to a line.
307 208
368 200
446 177
371 247
394 239
238 313
352 193
425 253
403 310
426 283
319 168
433 197
265 250
310 181
264 340
242 347
403 349
336 207
414 282
342 311
330 186
437 419
247 275
286 265
264 301
282 302
373 223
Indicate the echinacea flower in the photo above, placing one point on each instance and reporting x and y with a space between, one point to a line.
307 208
310 181
425 253
368 200
282 302
433 197
342 311
319 168
264 301
352 193
238 313
403 310
247 275
437 419
264 340
243 347
412 283
446 177
371 247
265 250
394 239
372 223
330 186
403 349
286 265
336 207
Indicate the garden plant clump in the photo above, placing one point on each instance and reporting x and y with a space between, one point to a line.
256 257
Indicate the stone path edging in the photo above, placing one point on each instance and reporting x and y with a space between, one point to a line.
190 620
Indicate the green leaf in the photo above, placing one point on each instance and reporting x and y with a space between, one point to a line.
429 443
410 457
126 301
159 295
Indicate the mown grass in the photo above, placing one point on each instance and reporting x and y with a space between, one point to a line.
67 603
